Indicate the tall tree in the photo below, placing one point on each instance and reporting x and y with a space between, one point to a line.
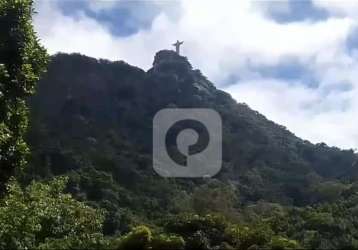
22 60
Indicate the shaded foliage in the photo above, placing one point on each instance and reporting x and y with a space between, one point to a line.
42 216
22 60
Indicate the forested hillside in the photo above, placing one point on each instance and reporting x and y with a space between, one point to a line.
76 160
92 120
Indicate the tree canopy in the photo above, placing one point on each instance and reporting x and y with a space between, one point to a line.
22 61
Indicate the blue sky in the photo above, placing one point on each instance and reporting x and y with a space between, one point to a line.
122 18
294 61
296 11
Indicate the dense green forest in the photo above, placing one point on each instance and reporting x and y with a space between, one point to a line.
76 160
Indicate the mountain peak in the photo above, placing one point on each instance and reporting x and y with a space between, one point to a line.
170 57
169 66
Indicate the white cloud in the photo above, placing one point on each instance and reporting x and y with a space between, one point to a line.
339 7
227 38
309 113
96 5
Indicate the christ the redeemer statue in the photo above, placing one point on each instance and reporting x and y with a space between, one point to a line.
177 46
